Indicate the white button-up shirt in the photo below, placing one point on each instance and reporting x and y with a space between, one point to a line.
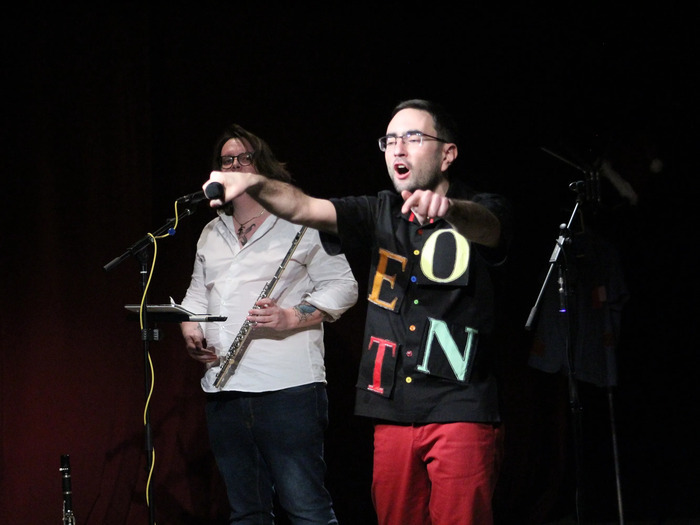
227 280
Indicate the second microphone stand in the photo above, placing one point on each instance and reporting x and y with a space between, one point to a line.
558 263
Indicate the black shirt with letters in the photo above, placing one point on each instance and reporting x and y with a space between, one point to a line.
427 355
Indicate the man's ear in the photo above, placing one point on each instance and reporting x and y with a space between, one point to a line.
449 154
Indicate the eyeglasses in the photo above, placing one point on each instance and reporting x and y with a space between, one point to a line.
412 138
244 159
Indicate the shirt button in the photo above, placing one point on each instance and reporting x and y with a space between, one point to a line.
416 252
414 278
412 328
415 301
409 379
409 353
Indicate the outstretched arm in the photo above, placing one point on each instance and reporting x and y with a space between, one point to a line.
279 198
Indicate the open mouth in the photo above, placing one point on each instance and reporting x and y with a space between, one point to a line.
401 169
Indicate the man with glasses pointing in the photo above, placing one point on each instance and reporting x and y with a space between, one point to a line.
427 372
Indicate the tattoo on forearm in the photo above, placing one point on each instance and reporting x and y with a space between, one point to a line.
304 310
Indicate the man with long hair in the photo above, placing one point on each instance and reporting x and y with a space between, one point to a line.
267 420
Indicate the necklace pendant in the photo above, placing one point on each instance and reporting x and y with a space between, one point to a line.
243 235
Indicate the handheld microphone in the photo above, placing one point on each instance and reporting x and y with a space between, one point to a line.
214 191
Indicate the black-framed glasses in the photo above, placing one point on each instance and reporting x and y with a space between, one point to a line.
244 159
411 138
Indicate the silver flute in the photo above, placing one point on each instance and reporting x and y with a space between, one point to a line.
68 517
235 353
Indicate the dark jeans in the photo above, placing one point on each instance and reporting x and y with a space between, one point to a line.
269 444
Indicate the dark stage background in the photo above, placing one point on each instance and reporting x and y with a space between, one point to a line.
110 114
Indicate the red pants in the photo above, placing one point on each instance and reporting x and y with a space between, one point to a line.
435 474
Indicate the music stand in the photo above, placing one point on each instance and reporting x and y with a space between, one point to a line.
173 313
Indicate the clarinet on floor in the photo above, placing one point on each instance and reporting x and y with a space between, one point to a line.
237 349
68 517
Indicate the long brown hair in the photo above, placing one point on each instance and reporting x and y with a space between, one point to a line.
264 161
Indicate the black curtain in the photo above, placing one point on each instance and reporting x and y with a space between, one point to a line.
111 113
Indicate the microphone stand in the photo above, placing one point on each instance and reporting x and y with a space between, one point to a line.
559 263
588 190
140 250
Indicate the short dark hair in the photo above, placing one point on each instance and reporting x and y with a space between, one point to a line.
445 124
264 160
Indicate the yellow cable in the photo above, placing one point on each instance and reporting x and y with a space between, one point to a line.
150 361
